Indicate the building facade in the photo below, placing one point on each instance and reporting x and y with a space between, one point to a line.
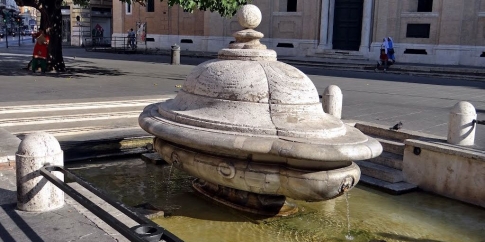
8 10
80 25
30 18
424 31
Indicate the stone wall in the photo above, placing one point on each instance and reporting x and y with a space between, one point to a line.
456 31
289 33
456 172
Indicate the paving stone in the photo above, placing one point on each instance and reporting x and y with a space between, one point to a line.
8 147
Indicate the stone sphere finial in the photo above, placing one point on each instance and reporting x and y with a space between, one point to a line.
249 16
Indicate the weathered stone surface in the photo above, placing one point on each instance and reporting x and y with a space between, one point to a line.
332 101
453 171
249 16
380 172
8 146
389 159
397 188
395 147
461 129
382 131
249 122
153 158
34 192
273 179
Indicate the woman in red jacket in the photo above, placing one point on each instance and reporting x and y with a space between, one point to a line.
40 52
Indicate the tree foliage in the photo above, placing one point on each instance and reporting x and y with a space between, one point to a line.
226 8
51 18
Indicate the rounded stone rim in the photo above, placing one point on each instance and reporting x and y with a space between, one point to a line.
206 139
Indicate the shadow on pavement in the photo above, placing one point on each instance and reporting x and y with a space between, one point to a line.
18 221
17 66
320 71
392 77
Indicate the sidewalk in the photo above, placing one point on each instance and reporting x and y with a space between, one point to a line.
64 224
475 73
448 71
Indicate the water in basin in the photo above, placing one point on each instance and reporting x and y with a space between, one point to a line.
374 215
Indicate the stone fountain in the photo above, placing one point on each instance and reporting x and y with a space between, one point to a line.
253 132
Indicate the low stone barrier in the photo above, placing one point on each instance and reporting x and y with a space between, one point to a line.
450 170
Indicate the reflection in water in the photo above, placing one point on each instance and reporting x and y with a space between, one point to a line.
376 216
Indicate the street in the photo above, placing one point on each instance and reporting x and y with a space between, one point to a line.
420 103
14 41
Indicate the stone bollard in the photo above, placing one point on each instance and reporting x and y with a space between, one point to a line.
332 101
175 54
461 129
34 192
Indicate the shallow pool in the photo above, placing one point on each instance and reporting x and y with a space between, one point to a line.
374 215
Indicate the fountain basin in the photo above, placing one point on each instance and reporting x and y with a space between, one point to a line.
259 177
374 215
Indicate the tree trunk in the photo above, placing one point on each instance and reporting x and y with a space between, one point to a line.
52 18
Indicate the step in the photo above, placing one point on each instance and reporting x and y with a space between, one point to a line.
391 146
397 188
380 172
324 64
389 159
341 54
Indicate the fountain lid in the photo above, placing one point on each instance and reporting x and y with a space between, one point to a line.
247 101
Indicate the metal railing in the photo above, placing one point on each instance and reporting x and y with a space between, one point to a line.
481 122
110 44
146 231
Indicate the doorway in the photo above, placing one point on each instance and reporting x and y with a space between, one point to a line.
347 28
66 29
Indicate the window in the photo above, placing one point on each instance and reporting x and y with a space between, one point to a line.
418 30
425 5
150 5
291 6
128 8
288 5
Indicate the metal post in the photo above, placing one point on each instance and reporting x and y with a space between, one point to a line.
175 54
6 35
34 192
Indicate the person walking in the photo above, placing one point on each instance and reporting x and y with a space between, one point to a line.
390 50
131 39
40 52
